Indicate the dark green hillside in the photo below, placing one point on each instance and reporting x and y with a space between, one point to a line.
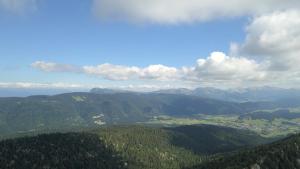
253 106
209 139
148 148
283 154
174 148
183 105
58 151
133 147
89 110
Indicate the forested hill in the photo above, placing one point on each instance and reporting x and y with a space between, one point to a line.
284 154
133 147
59 151
210 139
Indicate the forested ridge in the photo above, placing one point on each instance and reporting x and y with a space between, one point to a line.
59 151
283 154
133 147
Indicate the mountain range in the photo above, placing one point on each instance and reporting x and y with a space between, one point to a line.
239 95
69 110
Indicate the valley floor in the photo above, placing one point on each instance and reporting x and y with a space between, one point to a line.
275 128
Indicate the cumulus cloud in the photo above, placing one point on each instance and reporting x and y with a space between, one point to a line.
112 72
159 72
55 67
178 11
220 67
18 6
120 72
274 38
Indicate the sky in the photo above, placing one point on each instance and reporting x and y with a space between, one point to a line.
149 44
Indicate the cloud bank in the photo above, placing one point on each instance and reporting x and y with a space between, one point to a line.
118 72
185 11
215 68
84 87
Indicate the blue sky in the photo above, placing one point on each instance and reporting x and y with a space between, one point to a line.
64 33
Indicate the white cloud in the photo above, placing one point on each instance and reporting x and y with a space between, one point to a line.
119 72
112 72
18 6
274 38
60 85
159 72
219 67
55 67
177 11
215 68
